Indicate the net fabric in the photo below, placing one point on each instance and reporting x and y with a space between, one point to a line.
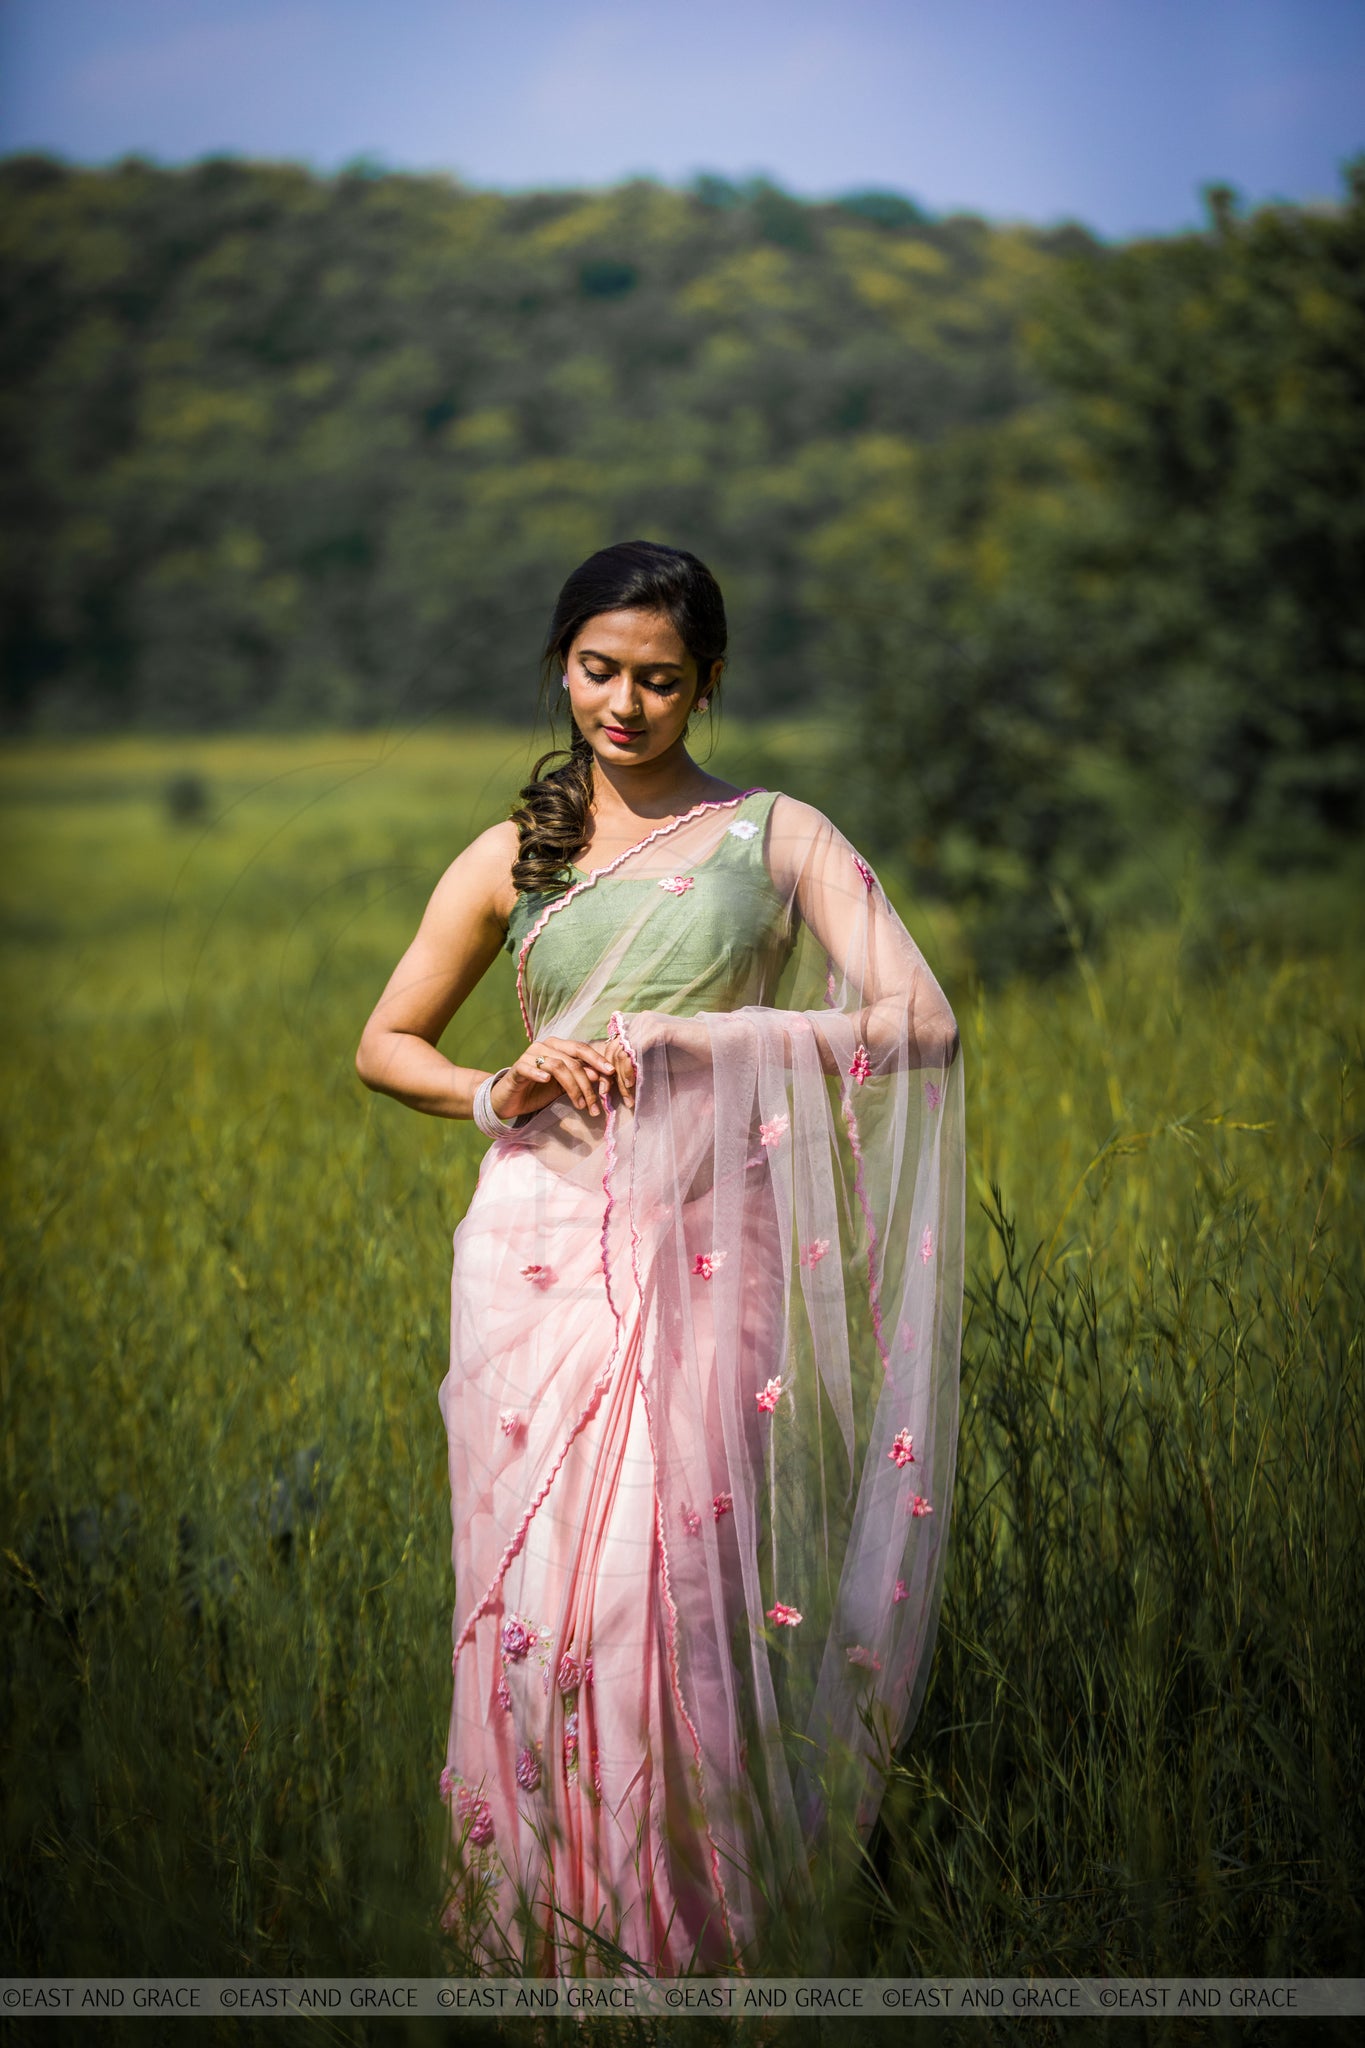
703 1399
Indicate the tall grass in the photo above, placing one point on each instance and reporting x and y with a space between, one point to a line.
226 1596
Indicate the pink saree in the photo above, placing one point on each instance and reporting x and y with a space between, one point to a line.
702 1404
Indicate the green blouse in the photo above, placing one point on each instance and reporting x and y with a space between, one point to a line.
728 948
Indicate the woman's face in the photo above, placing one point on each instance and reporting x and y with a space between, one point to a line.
632 686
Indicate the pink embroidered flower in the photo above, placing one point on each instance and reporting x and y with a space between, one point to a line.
571 1743
503 1695
926 1245
918 1505
448 1784
784 1616
933 1094
901 1592
570 1673
723 1504
831 992
677 885
902 1451
773 1133
539 1276
768 1399
707 1263
528 1769
587 1672
867 1658
511 1421
517 1639
481 1823
812 1253
864 870
691 1520
860 1066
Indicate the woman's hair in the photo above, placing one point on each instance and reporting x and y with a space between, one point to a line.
551 815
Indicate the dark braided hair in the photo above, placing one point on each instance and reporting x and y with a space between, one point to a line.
551 815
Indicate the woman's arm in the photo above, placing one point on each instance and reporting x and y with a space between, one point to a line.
460 936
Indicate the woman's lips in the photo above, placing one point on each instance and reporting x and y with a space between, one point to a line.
620 735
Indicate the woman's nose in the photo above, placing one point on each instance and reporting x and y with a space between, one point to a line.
625 701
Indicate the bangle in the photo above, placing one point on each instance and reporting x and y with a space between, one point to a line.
485 1116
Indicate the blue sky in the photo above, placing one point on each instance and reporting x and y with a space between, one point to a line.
1109 111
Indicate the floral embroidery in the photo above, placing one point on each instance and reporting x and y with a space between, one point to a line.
511 1421
743 828
571 1743
448 1783
769 1397
691 1520
933 1094
784 1616
468 1806
773 1133
570 1674
902 1592
539 1276
831 993
707 1263
812 1253
864 870
723 1504
918 1505
867 1658
860 1066
518 1637
677 885
902 1451
587 1672
503 1695
926 1245
528 1769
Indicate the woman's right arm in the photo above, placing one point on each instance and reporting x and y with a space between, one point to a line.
460 936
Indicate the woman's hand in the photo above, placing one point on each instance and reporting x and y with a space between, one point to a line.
551 1067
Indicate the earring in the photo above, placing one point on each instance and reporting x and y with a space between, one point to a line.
703 704
564 680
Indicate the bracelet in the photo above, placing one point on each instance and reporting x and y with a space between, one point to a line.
485 1116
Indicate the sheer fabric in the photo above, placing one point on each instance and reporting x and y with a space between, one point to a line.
702 1403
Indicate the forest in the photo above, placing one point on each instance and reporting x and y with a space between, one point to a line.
1036 532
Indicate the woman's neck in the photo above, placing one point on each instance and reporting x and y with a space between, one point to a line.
651 793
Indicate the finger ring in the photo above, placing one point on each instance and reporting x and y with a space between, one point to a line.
539 1061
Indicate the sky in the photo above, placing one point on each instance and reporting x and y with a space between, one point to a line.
1112 112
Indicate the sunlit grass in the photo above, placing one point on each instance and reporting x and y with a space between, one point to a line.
227 1678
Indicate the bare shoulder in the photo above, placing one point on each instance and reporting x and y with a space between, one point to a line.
478 883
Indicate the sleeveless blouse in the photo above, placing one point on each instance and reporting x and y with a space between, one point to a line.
729 950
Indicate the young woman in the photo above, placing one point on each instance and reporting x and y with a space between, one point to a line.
705 1321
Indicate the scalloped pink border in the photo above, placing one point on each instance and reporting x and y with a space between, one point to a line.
718 803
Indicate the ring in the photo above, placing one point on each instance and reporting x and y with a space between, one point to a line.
539 1061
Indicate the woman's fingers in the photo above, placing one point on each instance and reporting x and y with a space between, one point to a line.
578 1068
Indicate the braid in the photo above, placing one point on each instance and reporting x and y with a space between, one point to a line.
552 817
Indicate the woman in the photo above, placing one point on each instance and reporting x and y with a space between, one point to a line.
705 1317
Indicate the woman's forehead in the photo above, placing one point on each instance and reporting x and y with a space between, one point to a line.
634 638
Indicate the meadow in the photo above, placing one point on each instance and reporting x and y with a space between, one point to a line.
226 1582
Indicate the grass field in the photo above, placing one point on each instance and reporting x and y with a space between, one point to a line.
226 1595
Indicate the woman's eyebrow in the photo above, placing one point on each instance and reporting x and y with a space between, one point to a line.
591 654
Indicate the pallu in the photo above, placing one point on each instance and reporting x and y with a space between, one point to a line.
702 1404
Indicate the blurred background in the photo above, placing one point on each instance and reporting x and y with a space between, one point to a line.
1007 364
